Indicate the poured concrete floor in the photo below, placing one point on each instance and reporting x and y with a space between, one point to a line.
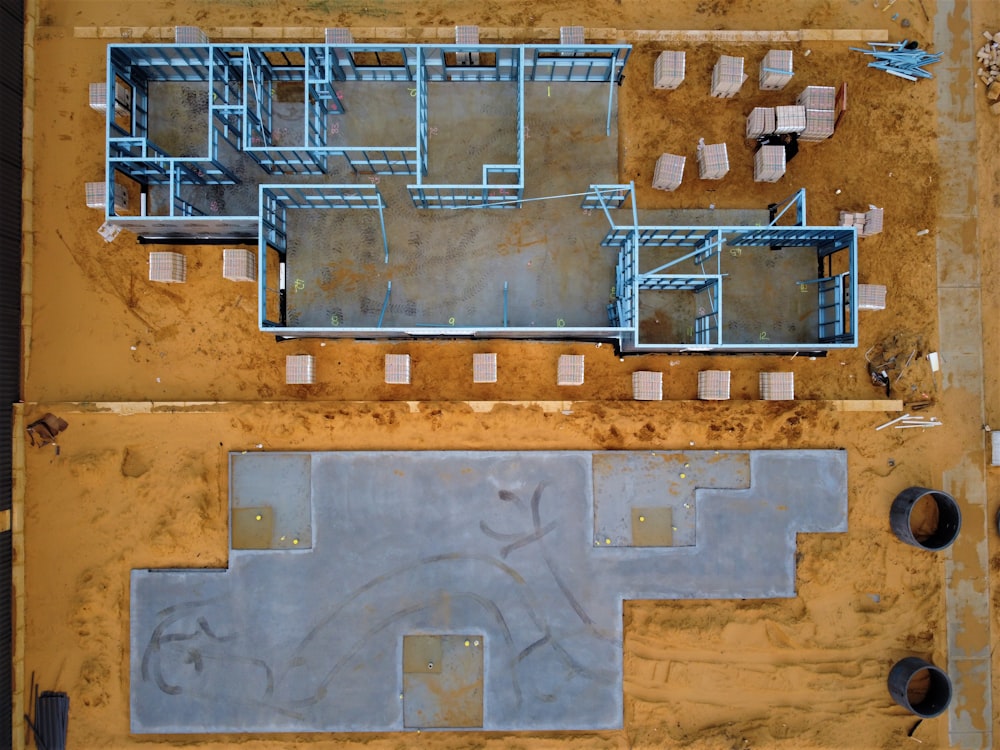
458 589
448 267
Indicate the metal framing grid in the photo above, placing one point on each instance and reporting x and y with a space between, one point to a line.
837 318
485 194
275 200
241 79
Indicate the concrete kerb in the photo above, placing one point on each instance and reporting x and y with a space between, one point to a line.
446 34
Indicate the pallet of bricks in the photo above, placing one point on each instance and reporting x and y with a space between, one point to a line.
769 164
820 108
760 122
775 70
668 71
866 222
727 77
669 172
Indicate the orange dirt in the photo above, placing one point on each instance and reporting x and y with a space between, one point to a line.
150 490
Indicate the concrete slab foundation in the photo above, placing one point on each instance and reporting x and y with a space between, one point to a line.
526 557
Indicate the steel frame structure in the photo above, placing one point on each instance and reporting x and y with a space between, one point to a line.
241 80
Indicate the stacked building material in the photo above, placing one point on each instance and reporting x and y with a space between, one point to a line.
989 68
761 121
866 222
300 369
467 35
189 35
484 368
817 97
776 69
989 59
819 125
819 103
669 172
668 71
99 98
871 296
902 59
789 119
167 267
647 386
713 160
571 35
769 164
397 369
97 195
713 385
570 369
727 77
239 265
339 35
777 386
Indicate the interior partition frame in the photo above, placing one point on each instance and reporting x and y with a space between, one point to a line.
703 244
275 201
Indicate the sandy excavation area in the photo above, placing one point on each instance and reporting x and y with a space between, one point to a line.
141 486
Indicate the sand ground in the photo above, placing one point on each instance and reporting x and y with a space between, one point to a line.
149 490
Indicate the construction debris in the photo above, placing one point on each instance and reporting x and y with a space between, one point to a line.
902 59
907 421
912 422
892 365
989 63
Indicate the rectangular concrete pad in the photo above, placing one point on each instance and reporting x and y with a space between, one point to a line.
279 482
446 543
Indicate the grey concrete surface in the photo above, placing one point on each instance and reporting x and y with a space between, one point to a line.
960 325
448 267
490 546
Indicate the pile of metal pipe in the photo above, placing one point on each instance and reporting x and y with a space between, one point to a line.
902 59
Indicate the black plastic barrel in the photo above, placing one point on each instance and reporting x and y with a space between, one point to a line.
919 687
936 523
